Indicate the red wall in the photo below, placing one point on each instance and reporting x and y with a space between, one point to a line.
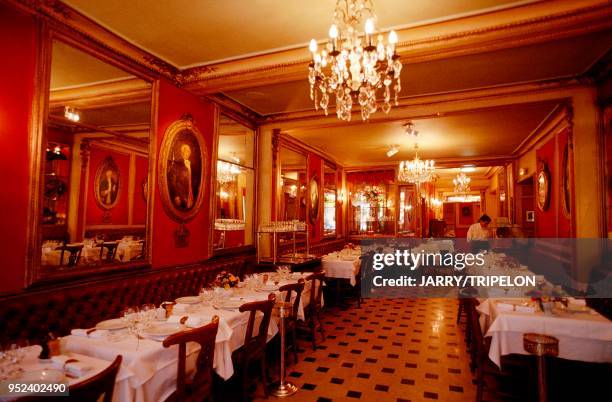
119 214
173 103
17 41
553 222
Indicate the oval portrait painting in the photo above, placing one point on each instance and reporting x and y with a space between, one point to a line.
182 170
313 189
108 184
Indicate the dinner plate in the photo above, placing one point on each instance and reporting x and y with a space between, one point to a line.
268 288
228 304
160 330
44 375
188 300
115 323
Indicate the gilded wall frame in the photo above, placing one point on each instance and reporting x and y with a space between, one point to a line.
182 170
108 195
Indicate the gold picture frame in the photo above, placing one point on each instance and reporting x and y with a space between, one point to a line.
107 184
182 170
543 187
313 196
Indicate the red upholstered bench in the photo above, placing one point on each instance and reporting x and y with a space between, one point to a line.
33 313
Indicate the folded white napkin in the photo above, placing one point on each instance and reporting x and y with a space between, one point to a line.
505 307
96 334
191 322
576 302
70 365
525 309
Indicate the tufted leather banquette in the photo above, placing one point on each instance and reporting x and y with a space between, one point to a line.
32 314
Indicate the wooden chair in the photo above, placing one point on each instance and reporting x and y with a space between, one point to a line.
291 321
199 388
74 251
111 246
254 348
313 311
97 388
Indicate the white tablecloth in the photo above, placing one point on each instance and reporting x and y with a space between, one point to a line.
336 266
583 336
123 390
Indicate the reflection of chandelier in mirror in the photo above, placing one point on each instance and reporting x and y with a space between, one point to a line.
352 67
462 183
417 170
226 172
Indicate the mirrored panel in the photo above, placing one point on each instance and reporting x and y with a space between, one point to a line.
329 200
294 193
96 165
235 188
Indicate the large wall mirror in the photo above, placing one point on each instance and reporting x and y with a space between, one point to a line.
235 187
293 197
95 166
330 212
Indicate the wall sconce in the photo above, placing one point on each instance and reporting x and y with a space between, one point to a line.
522 171
393 149
72 114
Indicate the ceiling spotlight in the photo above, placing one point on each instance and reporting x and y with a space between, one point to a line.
72 114
410 130
467 169
392 150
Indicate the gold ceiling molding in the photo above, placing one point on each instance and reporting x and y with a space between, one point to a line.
412 107
441 163
558 119
520 26
128 91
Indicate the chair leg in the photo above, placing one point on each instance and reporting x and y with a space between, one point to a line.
295 346
264 375
313 331
479 383
245 383
320 325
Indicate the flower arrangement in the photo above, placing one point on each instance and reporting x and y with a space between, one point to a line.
226 280
373 194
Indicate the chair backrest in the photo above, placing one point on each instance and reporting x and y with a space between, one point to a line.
290 288
316 289
474 323
265 307
205 336
97 388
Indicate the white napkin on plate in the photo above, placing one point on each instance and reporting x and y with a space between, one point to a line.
505 307
191 322
96 334
70 365
576 302
525 309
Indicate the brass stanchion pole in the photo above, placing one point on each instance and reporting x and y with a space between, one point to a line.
284 388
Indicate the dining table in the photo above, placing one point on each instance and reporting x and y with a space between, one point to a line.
583 333
344 264
149 369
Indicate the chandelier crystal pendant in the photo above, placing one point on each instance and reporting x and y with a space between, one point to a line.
353 67
417 170
462 183
226 172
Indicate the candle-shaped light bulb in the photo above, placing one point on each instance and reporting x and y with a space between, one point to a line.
369 26
333 31
392 37
313 45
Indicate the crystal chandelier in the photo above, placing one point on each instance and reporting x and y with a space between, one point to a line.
462 183
417 170
353 67
226 172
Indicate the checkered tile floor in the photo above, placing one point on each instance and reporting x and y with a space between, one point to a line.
387 350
